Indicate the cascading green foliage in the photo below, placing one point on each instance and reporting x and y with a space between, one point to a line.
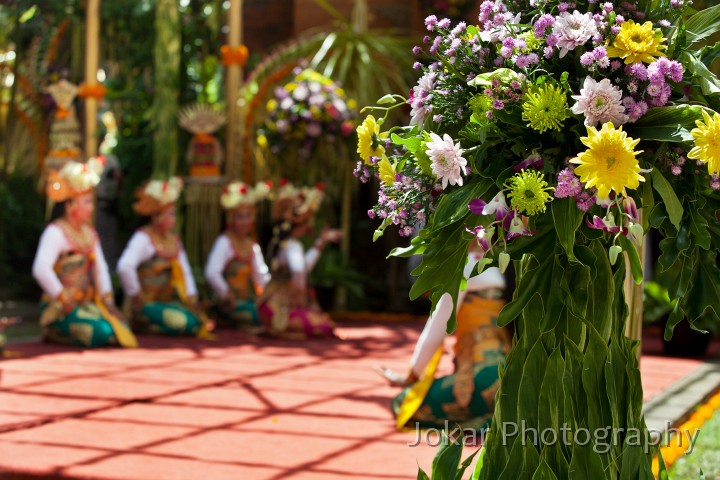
569 404
165 99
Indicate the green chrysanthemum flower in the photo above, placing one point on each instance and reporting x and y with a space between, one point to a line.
545 108
528 192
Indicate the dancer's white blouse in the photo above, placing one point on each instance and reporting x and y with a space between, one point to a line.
434 333
54 243
221 254
299 262
140 249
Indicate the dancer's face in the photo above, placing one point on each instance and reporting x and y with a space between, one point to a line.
165 220
241 220
81 208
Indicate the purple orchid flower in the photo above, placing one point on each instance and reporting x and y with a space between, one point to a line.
518 228
606 224
497 205
534 161
483 236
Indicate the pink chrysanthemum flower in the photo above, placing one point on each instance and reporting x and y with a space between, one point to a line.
447 161
573 30
600 102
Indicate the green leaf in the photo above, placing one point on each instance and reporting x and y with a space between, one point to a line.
446 460
672 204
551 391
381 229
709 83
422 475
505 75
699 228
702 24
593 382
667 124
465 464
635 264
453 206
479 464
529 286
388 99
676 317
662 470
567 219
531 383
544 472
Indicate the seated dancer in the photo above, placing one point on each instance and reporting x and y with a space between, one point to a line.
160 290
4 323
467 396
236 259
288 307
78 306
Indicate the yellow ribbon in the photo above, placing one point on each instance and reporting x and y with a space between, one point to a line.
417 392
123 334
177 280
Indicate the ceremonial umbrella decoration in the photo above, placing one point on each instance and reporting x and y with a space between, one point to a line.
555 135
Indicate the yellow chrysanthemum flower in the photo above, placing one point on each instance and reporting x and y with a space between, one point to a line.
528 192
386 170
371 143
610 161
545 108
707 142
271 105
637 43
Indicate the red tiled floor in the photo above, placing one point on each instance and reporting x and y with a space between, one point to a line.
105 387
48 405
153 467
97 434
236 408
174 415
41 459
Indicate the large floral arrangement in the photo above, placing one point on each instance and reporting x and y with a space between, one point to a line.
305 111
554 135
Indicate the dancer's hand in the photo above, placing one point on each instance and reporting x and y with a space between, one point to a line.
395 379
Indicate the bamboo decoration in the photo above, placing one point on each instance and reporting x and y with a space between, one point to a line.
234 57
92 43
165 98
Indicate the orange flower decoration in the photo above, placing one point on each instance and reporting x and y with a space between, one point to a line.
234 55
92 90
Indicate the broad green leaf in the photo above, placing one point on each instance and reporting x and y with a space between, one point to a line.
465 464
676 317
544 472
699 228
479 464
702 24
550 405
631 460
593 381
422 475
454 206
672 204
585 464
666 124
709 83
635 264
532 378
446 460
567 219
505 75
529 286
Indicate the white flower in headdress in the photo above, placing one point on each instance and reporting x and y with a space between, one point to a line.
239 193
164 191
